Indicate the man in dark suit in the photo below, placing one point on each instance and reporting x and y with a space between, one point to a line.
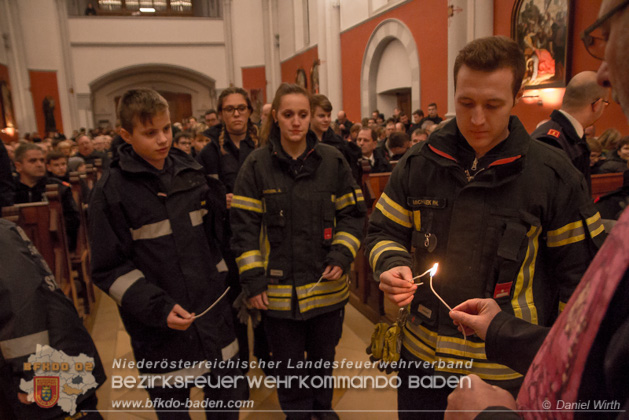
583 104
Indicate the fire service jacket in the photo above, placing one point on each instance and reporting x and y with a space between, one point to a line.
516 225
156 245
289 225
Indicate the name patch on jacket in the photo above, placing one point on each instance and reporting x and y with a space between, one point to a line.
272 191
327 233
437 203
554 133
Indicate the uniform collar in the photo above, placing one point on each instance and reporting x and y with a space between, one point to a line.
129 161
578 128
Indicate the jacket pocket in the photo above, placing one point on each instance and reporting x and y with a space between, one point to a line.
275 217
515 256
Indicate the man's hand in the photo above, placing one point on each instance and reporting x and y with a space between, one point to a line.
332 272
228 199
260 301
475 315
474 396
179 318
398 286
23 398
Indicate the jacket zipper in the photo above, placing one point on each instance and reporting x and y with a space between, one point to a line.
469 176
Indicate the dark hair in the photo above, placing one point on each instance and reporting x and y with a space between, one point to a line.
21 150
432 104
390 120
252 129
622 142
283 90
418 112
398 139
419 131
54 155
184 134
210 111
374 134
322 101
141 103
490 54
230 91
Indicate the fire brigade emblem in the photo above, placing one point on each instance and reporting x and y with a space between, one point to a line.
46 391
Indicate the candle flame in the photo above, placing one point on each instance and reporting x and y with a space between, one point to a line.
433 270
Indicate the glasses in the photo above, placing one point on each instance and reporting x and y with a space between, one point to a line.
595 45
601 99
240 108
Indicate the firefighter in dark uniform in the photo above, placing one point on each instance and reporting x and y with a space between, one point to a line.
504 216
583 104
297 218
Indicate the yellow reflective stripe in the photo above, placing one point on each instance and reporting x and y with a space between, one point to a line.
344 201
595 224
575 232
393 211
417 348
562 306
246 203
348 240
522 301
359 195
460 347
152 230
383 246
419 340
279 297
486 371
336 295
249 260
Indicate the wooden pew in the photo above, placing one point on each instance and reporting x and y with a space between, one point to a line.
80 259
63 264
44 225
606 183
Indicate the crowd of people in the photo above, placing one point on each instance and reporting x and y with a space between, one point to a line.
198 228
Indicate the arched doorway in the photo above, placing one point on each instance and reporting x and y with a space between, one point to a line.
390 70
188 92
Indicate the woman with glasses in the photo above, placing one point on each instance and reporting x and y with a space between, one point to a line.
297 218
230 144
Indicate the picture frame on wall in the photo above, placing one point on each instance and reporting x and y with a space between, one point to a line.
542 29
301 79
314 77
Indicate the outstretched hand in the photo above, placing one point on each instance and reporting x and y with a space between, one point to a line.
474 316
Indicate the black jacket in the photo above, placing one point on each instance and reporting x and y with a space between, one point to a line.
350 151
559 132
292 218
613 165
71 216
7 187
226 165
380 163
155 240
34 311
519 230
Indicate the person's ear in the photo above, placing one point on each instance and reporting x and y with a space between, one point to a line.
126 136
274 115
518 96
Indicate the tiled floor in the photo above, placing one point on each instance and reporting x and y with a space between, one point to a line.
368 403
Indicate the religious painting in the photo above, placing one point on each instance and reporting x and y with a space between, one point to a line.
542 30
301 79
6 106
314 77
